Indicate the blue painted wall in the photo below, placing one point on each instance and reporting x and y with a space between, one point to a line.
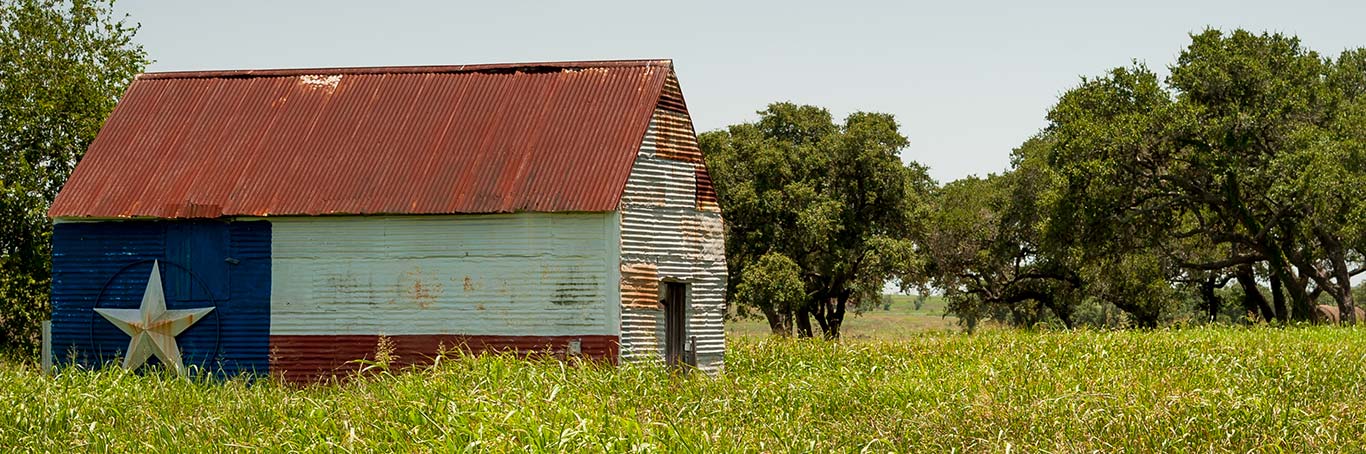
203 263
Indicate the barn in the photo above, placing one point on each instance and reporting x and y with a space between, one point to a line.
289 221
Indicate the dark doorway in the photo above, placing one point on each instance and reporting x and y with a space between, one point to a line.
675 322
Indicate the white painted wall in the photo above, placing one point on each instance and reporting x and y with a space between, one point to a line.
664 231
537 274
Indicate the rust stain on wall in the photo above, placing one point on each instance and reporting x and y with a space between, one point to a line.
675 139
674 134
693 234
706 192
672 96
419 288
640 285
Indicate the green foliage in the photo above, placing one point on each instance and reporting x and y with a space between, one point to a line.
63 64
987 249
834 200
773 283
1135 283
1145 194
1196 390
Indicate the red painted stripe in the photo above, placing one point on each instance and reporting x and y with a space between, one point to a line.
311 358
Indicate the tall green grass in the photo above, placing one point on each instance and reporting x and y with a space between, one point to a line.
1267 390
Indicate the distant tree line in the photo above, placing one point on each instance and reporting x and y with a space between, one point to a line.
1233 189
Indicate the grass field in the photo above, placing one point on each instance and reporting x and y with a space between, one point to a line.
1212 389
902 319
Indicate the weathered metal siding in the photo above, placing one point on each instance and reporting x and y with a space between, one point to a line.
547 137
310 358
671 230
528 275
226 265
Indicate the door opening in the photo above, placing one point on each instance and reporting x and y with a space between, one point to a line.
675 323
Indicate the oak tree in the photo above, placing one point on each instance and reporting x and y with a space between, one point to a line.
815 208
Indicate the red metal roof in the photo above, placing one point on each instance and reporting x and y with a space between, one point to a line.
406 140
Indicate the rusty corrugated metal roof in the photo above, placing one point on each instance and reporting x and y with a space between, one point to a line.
398 140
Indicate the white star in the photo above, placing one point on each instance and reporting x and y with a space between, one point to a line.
153 328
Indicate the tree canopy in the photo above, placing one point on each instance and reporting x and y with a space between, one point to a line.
819 215
63 65
1145 194
1244 164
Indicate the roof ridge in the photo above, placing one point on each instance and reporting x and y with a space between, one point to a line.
531 67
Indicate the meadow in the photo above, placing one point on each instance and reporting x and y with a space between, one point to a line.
901 319
1203 389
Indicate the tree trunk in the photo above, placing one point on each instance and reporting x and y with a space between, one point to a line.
1346 303
1066 317
1212 300
1252 295
1269 247
780 324
1018 318
1342 279
821 314
804 321
836 318
1062 311
1293 270
1145 319
1300 307
1329 281
1278 299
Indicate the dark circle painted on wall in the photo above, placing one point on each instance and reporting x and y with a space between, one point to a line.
214 302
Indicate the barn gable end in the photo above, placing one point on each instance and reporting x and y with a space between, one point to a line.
671 230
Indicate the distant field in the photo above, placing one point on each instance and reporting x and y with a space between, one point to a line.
1196 390
900 321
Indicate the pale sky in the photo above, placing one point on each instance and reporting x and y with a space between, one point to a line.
967 81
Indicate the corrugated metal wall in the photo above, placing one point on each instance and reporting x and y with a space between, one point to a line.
516 276
671 229
226 265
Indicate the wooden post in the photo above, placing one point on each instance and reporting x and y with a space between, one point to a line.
691 357
47 347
